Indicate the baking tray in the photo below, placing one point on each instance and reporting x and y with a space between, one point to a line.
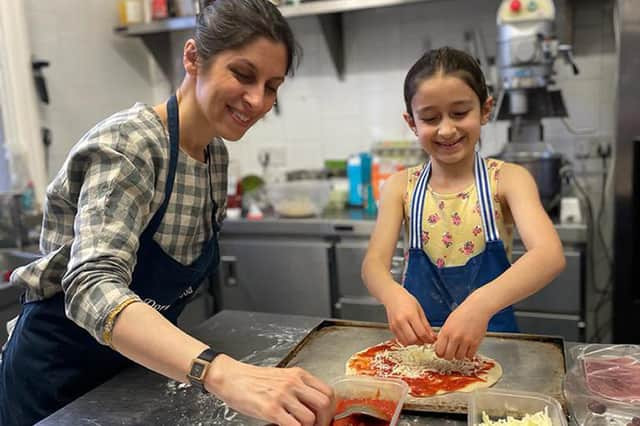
529 362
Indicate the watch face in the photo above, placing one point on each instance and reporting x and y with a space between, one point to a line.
197 370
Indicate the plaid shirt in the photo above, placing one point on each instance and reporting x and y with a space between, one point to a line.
102 199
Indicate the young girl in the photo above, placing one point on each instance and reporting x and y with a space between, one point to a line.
459 210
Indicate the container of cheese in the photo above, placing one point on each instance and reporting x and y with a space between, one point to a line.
497 407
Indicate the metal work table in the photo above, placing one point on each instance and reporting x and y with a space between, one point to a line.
140 397
351 222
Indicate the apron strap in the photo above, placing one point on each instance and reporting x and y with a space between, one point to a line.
214 208
485 200
417 207
174 142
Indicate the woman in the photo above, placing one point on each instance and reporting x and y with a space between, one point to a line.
130 230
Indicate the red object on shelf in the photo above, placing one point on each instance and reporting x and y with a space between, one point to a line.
159 9
516 6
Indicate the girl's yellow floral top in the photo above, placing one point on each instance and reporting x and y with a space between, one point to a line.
451 223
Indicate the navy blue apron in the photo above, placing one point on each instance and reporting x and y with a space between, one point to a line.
49 361
441 290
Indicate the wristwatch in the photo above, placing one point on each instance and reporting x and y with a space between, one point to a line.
199 367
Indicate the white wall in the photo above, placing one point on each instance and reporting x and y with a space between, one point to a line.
95 72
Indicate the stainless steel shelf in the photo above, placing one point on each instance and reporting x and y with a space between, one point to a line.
329 13
155 27
322 7
308 8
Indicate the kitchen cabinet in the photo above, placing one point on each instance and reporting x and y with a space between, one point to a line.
312 267
275 274
558 309
353 299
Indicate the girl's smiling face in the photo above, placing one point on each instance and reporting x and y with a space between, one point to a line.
240 86
447 117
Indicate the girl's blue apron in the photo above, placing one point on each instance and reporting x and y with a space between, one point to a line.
441 290
50 361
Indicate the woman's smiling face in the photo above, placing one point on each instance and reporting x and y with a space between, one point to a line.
447 117
240 86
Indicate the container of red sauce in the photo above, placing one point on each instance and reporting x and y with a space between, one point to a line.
386 395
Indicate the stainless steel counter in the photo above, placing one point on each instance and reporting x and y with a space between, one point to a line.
355 223
138 396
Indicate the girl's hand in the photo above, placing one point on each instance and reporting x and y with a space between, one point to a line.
407 320
284 396
463 331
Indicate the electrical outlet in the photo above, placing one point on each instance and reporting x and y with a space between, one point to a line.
277 155
587 148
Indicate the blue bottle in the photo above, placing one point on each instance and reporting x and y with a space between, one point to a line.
354 175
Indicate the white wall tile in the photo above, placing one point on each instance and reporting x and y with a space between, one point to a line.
95 72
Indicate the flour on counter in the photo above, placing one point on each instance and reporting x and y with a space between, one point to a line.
206 410
209 409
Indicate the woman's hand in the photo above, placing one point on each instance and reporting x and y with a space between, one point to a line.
284 396
463 331
407 320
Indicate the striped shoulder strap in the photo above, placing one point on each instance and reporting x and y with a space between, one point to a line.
485 200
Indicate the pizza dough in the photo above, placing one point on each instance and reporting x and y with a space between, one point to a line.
425 373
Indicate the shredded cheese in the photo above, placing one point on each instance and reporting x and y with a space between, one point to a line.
418 360
541 418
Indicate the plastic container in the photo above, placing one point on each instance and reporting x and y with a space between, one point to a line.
299 199
601 386
352 387
498 404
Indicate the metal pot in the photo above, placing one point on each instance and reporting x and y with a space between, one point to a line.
545 167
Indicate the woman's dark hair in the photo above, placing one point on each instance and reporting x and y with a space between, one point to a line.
231 24
445 61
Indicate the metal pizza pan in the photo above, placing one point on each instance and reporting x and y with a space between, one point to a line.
533 363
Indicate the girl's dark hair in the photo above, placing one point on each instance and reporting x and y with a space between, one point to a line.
231 24
446 61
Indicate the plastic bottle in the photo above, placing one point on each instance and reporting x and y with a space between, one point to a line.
368 200
146 10
130 12
122 12
27 197
354 174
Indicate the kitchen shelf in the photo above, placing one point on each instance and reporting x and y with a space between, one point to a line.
329 13
322 7
155 27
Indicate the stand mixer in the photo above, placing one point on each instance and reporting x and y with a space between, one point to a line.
526 52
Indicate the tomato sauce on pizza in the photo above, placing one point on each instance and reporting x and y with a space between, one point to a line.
418 366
